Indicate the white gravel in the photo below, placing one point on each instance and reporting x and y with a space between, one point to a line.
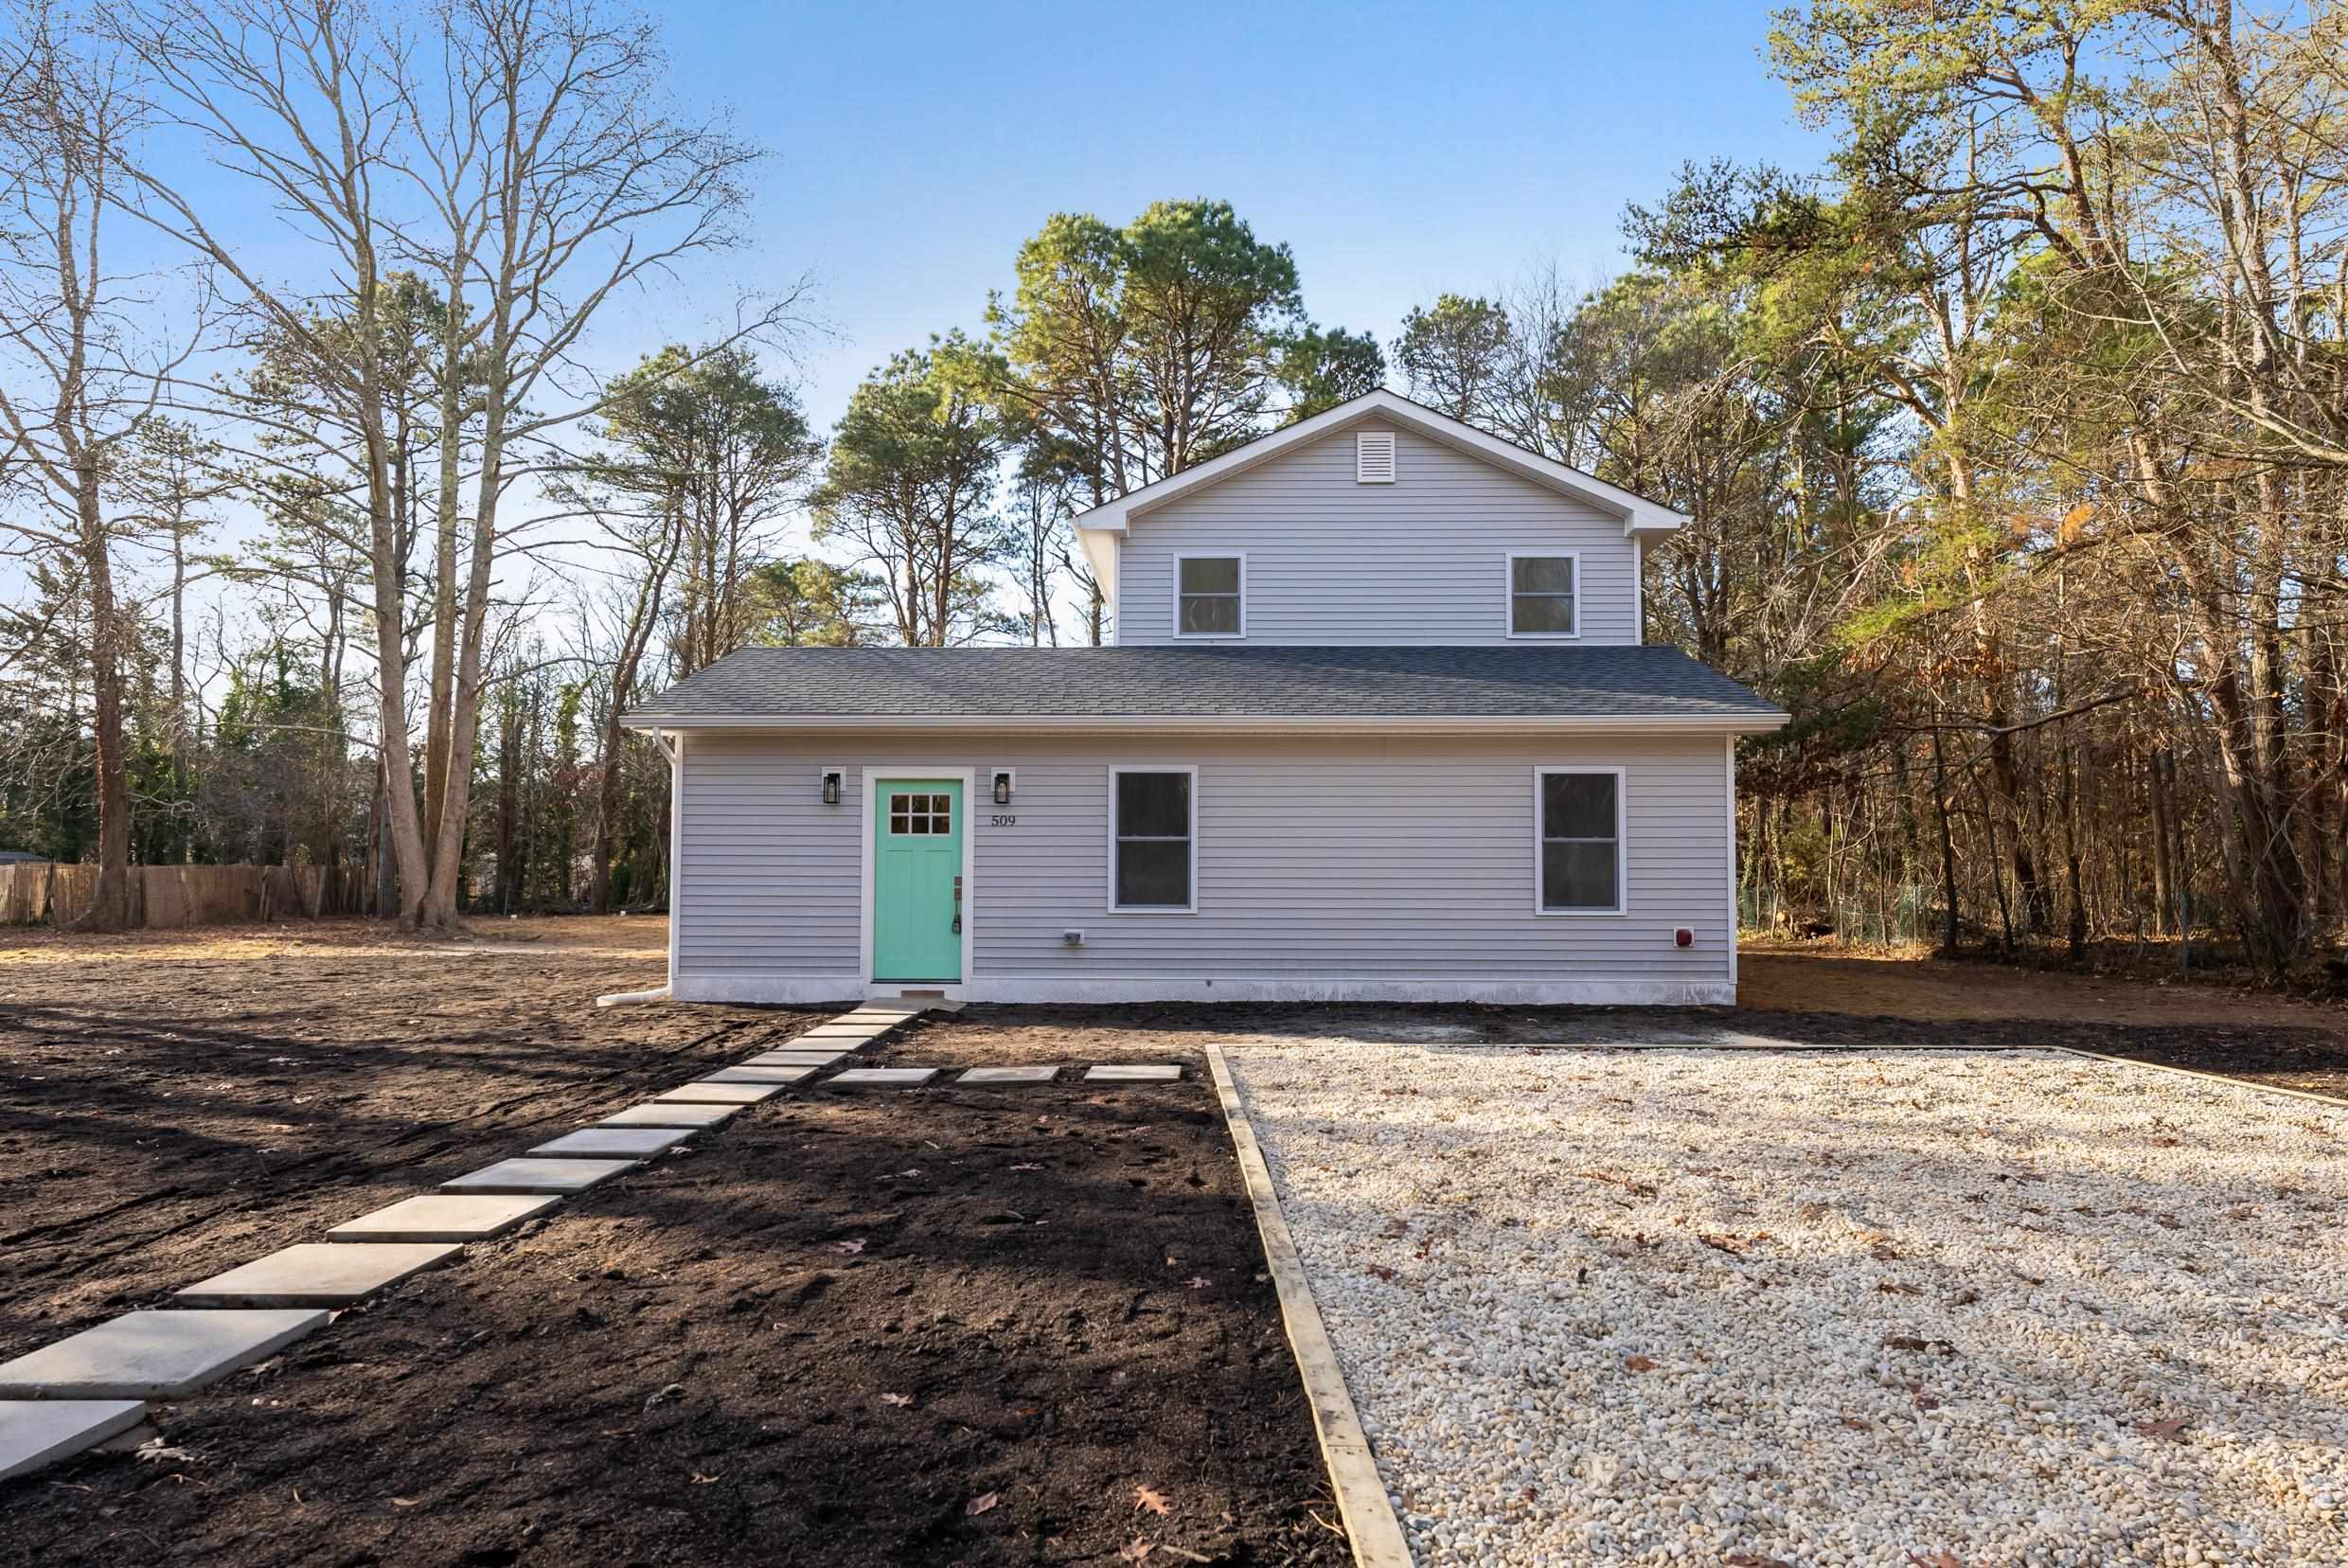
1740 1307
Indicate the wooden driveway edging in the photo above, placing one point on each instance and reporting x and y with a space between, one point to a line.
2333 1100
1370 1524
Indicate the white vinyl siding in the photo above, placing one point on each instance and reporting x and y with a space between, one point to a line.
1363 860
1422 560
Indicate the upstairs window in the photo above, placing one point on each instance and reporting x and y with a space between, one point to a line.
1154 863
1210 593
1544 593
1579 821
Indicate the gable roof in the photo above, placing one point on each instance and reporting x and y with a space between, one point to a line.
1223 688
1639 515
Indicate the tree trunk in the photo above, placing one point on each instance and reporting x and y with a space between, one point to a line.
110 907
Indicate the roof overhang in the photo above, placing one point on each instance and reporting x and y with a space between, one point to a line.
1641 518
1283 723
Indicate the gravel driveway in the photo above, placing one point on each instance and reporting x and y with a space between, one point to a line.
1754 1308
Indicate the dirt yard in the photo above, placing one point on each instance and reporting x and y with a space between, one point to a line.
2251 1035
944 1327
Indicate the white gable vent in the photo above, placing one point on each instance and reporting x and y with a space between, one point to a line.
1374 458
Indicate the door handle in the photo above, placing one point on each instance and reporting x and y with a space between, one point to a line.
957 923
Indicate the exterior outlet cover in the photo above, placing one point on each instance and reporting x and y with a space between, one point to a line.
1683 938
1072 937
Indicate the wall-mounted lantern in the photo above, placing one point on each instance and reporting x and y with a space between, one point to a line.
831 785
1005 779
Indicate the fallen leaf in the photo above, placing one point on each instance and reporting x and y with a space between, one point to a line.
2171 1428
1198 1282
1938 1559
900 1401
850 1247
1747 1559
1026 1167
1640 1364
1729 1244
405 1502
155 1448
1382 1271
1147 1497
1134 1552
701 1480
983 1503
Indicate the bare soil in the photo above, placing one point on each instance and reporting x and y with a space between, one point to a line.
941 1326
2243 1033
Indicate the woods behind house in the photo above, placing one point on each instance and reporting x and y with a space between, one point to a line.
2015 438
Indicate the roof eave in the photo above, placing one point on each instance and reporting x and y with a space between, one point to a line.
1759 723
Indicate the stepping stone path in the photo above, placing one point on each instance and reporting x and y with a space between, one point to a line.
613 1143
706 1092
446 1217
559 1176
881 1077
781 1076
34 1432
657 1115
317 1273
1133 1074
152 1354
979 1078
64 1398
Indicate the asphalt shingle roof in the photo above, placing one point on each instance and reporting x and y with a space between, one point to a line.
1222 682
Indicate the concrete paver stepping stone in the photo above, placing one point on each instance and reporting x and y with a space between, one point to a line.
796 1058
831 1034
780 1076
446 1217
613 1143
981 1077
562 1176
1133 1073
34 1433
153 1355
706 1092
656 1114
317 1273
881 1077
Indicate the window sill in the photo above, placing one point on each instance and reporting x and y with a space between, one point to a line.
1581 914
1151 909
1544 636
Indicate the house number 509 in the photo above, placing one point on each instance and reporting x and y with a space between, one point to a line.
1006 819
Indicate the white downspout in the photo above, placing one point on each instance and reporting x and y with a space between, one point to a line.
672 747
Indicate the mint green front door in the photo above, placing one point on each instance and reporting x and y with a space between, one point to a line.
916 880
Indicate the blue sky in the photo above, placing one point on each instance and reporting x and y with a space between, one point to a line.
1400 150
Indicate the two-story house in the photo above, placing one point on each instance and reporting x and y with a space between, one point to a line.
1380 723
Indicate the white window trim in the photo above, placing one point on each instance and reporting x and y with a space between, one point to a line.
1111 900
1508 594
1239 556
1622 843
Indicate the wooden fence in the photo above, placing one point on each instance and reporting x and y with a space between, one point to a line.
169 897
